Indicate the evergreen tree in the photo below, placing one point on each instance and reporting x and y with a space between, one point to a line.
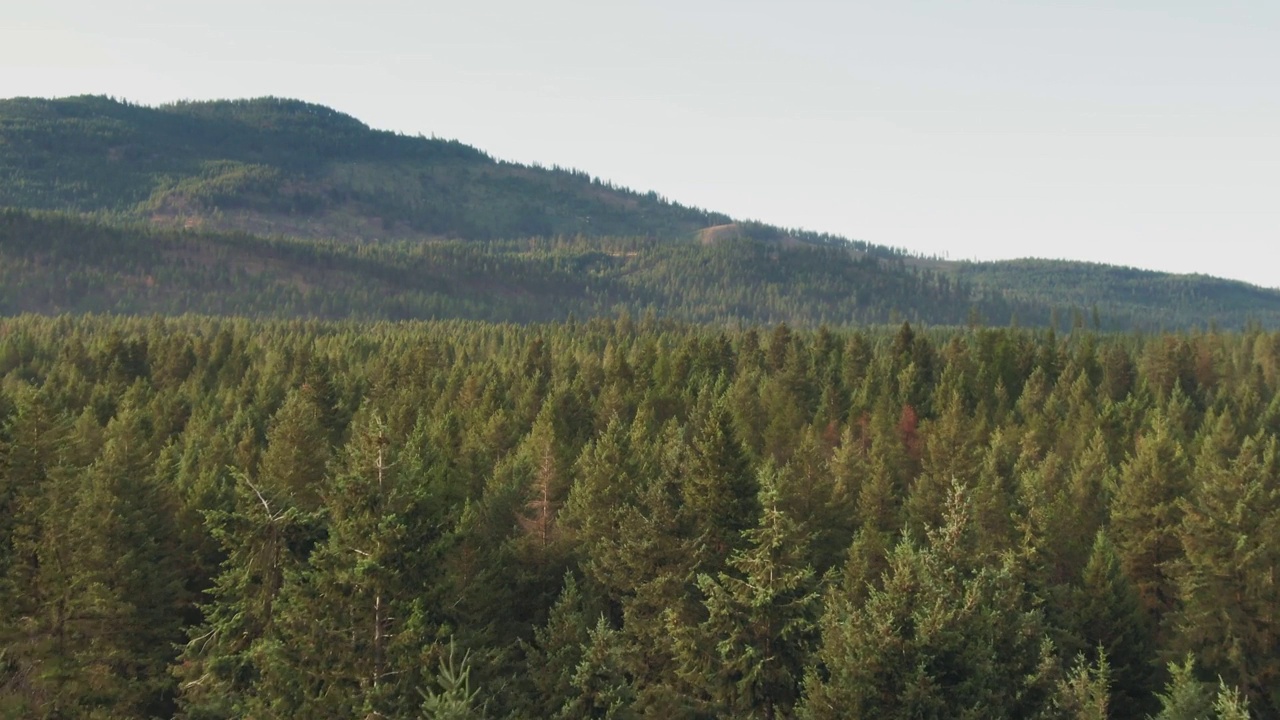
556 652
1230 610
1145 516
265 539
601 685
106 586
1084 694
718 490
358 620
454 699
747 655
1185 697
950 634
298 451
1108 619
951 455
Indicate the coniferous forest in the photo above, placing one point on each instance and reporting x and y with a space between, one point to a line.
634 517
320 421
280 208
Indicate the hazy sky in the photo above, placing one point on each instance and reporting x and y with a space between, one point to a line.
1140 133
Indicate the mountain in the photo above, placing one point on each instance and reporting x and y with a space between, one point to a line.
53 263
1127 296
287 167
280 207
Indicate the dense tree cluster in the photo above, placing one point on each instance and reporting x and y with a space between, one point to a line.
388 226
323 173
1122 296
220 518
52 263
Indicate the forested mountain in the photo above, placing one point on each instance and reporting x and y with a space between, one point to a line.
286 167
58 263
1127 296
615 458
218 518
280 204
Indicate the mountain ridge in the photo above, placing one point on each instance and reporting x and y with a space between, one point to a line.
277 168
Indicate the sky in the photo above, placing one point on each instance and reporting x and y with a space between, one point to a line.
1143 133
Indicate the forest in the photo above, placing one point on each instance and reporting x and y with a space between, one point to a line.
633 517
52 263
282 208
299 418
272 163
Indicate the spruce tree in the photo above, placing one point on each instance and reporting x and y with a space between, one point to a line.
1084 693
1230 610
950 633
1146 513
350 633
748 654
601 686
106 583
718 489
1108 620
555 653
1185 697
266 539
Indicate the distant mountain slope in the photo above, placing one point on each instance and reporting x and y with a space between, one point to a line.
365 223
289 167
1128 297
54 263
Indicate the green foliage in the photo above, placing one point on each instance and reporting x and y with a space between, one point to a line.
748 653
52 263
1122 296
1084 694
1108 619
270 164
1185 697
1230 605
628 518
191 204
950 633
454 700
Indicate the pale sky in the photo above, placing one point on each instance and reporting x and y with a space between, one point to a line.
1142 133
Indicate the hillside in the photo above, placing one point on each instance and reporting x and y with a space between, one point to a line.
55 263
280 207
1127 296
286 167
